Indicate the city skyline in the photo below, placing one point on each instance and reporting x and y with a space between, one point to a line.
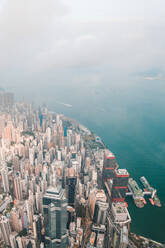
82 139
60 186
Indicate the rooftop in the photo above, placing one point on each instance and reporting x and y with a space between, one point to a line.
134 187
122 172
119 207
54 190
55 193
109 154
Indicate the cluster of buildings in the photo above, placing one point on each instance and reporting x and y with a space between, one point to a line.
58 189
6 99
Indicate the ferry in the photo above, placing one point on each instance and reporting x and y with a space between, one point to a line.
144 201
157 201
137 193
139 203
147 187
145 183
151 200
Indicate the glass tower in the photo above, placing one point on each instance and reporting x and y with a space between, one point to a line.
55 218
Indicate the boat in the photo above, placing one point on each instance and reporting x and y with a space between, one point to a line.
137 193
139 203
156 201
144 201
144 182
151 200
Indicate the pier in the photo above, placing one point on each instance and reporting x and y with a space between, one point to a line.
144 193
138 194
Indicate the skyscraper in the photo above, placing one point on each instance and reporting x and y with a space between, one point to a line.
5 180
100 213
17 187
55 218
71 181
110 165
120 185
5 229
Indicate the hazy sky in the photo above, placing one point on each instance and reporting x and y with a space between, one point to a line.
80 41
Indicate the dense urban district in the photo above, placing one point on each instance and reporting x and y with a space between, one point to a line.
60 187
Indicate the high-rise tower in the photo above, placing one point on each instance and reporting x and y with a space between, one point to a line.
18 187
110 165
5 229
5 180
71 180
100 213
55 218
120 185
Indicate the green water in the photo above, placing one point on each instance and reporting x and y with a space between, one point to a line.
131 123
130 118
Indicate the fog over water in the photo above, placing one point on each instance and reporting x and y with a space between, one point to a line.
101 63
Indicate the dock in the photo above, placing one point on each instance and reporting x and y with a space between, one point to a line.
135 192
154 198
144 193
138 194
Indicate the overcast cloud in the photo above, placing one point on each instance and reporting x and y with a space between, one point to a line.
39 38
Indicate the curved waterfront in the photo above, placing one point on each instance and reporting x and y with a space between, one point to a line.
133 129
141 160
